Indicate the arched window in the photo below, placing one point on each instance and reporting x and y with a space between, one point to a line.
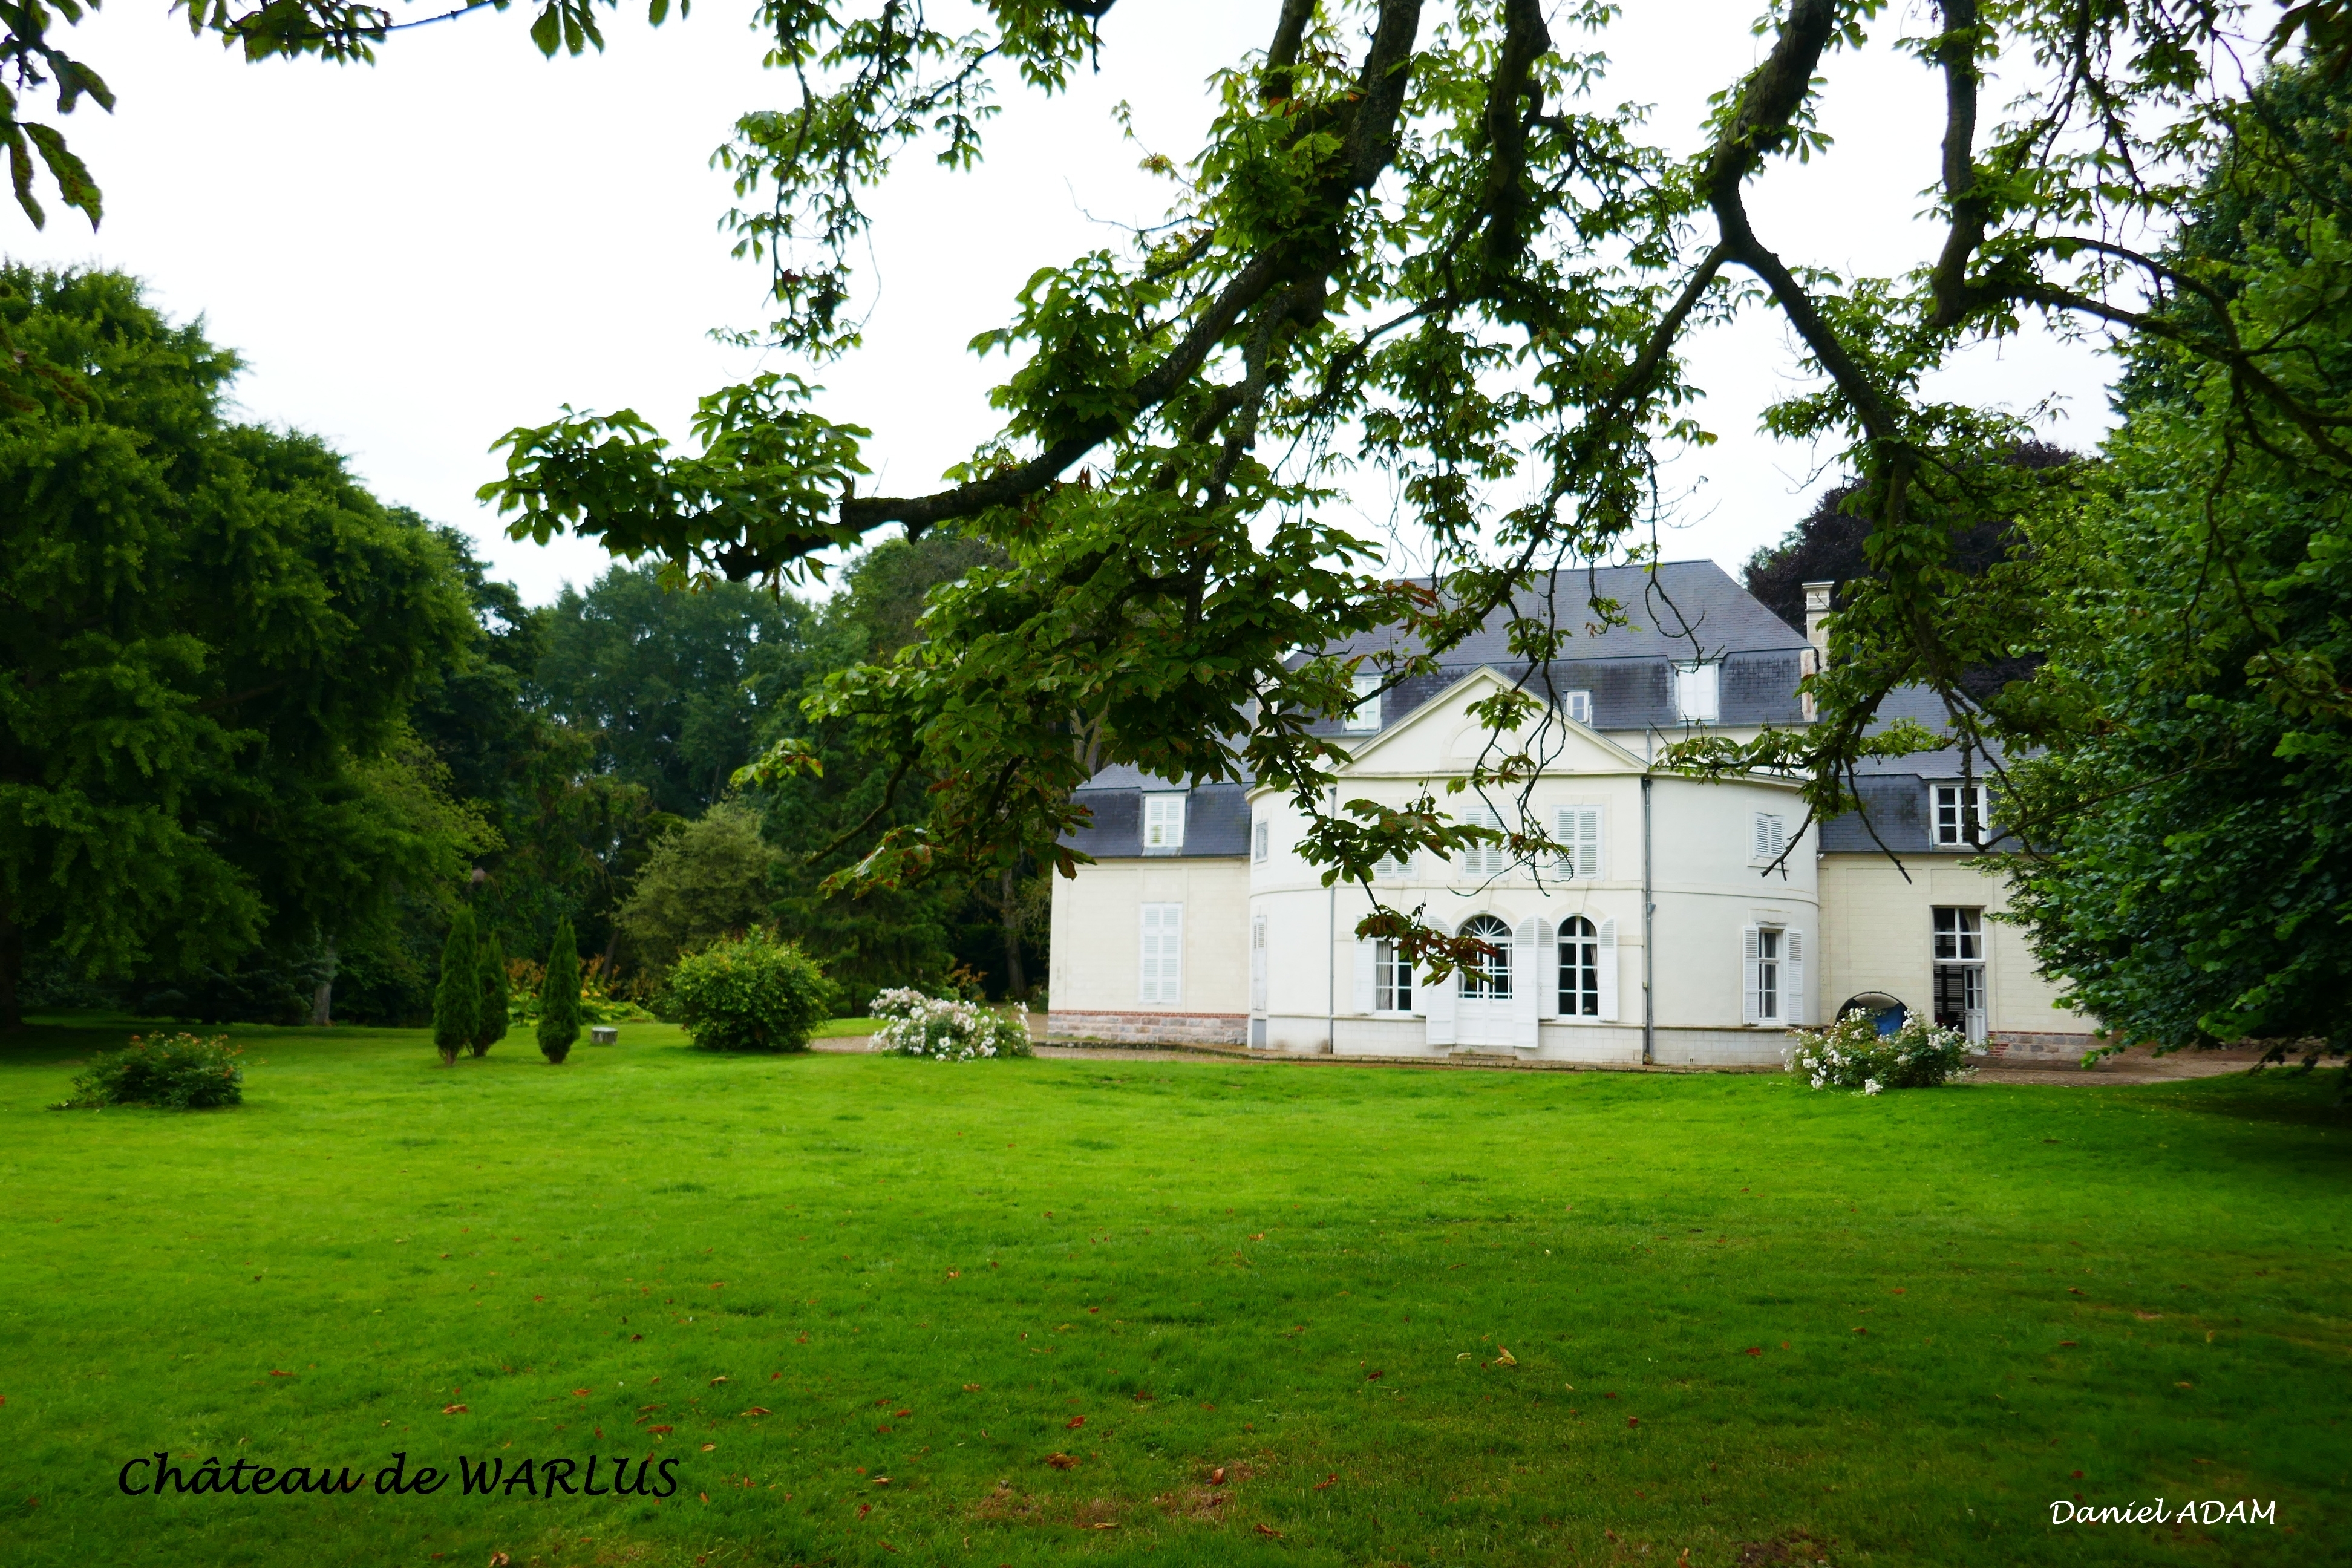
1488 979
1580 969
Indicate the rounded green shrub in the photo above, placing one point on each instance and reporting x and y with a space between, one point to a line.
178 1072
752 993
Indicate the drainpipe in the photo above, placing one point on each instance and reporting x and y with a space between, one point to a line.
1331 956
1649 945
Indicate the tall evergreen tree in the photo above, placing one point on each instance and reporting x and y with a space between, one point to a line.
491 975
558 996
211 639
458 1001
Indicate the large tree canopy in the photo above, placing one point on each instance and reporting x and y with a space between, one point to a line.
1415 246
211 637
2195 810
1414 253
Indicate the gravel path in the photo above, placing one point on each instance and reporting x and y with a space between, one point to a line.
2137 1065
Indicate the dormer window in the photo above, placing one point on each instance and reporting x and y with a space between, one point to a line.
1961 815
1366 714
1579 706
1163 824
1699 692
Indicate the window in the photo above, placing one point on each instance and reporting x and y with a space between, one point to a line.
1580 969
1698 692
1394 867
1773 989
1261 840
1579 706
1392 979
1163 824
1769 834
1959 936
1960 971
1366 713
1257 964
1961 817
1577 830
1489 978
1163 953
1484 860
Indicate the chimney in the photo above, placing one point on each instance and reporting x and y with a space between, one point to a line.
1817 632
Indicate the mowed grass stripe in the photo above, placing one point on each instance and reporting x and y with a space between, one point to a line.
1746 1319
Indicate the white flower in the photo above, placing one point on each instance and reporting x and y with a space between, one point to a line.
1870 1086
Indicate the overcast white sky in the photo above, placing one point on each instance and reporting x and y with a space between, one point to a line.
416 256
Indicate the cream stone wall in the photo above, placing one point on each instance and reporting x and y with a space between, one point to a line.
1099 945
1708 887
1881 938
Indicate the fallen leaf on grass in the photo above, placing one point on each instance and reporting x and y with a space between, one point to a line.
453 1410
1076 1422
659 1429
1373 1377
1633 1421
1217 1477
1267 1530
499 1559
708 1446
580 1393
1505 1358
717 1381
757 1410
864 1508
2066 1345
1061 1461
1755 1349
1331 1480
275 1373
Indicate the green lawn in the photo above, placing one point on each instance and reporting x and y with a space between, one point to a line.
1869 1331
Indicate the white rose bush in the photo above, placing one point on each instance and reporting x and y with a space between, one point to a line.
945 1028
1852 1054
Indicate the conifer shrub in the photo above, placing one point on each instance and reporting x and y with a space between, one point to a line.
458 999
176 1073
559 996
754 992
490 960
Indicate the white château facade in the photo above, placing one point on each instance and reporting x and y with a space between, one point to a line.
1666 935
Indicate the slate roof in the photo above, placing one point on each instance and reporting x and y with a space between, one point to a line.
1670 609
1895 790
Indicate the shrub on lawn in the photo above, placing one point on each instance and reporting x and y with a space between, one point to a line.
1852 1054
753 993
559 996
490 966
947 1029
178 1072
458 1000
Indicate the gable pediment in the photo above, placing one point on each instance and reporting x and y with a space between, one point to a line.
1442 736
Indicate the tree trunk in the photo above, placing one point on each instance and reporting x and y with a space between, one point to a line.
322 1001
12 966
1015 985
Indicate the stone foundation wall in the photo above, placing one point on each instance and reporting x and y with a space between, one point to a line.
2017 1047
1150 1028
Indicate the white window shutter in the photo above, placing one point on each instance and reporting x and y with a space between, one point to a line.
1257 964
1792 979
1436 999
1751 980
1779 834
1526 974
1365 953
1607 963
1588 863
1761 836
1161 966
1543 973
